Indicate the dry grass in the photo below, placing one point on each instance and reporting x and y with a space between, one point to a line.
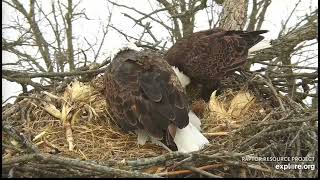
94 136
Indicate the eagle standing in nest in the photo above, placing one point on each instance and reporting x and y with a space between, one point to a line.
208 56
145 96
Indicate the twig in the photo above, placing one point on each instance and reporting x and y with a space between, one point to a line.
18 74
181 172
153 12
105 32
308 31
20 137
288 121
39 171
312 75
284 25
253 139
157 160
146 15
284 131
180 163
216 134
12 147
127 36
81 164
19 97
202 172
289 66
146 28
19 159
276 94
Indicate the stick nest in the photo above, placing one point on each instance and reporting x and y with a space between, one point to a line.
71 134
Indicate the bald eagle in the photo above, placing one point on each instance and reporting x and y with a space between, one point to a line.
205 57
146 97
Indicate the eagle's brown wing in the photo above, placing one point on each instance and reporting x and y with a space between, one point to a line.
212 54
208 56
212 57
144 93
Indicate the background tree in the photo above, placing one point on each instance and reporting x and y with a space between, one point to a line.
45 48
45 43
52 56
278 61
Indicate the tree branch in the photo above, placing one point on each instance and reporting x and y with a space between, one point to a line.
18 74
291 39
41 42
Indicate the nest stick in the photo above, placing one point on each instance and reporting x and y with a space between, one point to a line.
69 136
202 172
183 172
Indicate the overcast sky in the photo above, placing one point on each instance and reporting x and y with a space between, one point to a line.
278 11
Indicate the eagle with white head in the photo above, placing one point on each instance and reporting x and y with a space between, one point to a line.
206 57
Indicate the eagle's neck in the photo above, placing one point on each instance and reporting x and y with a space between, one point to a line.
261 45
184 79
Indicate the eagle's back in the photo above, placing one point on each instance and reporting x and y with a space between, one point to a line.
210 55
144 93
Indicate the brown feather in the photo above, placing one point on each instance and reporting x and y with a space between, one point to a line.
208 56
144 93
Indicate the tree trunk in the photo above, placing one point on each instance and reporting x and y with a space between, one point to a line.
234 14
69 36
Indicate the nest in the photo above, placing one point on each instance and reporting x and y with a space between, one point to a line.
71 134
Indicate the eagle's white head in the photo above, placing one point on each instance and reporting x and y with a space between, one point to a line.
261 45
127 45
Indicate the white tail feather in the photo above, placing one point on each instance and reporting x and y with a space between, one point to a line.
190 139
143 136
194 120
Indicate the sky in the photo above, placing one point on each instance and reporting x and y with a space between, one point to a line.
96 11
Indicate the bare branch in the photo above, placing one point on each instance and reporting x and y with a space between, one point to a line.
105 32
289 66
68 17
173 12
290 40
257 14
262 14
17 74
146 15
41 42
284 25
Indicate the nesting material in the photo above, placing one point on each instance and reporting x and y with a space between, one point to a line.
239 106
229 110
76 124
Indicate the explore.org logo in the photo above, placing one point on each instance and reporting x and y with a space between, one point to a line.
295 166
